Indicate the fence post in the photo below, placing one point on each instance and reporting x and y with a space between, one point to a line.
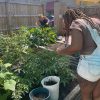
56 18
59 9
8 17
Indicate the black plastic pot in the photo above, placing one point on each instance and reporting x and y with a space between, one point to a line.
39 94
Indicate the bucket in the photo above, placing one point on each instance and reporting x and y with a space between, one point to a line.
52 84
39 93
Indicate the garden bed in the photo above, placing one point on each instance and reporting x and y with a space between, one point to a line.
23 66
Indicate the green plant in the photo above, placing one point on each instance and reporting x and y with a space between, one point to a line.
45 63
30 65
14 47
42 36
11 84
7 80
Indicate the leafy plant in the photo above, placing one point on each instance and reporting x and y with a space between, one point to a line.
45 63
7 80
14 47
43 36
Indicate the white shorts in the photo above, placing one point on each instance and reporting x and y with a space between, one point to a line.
83 70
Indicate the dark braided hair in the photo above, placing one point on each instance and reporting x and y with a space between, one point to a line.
73 14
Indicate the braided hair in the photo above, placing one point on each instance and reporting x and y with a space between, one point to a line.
73 14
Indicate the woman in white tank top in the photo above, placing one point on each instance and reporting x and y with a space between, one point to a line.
86 40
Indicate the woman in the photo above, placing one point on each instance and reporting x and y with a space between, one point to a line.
43 21
85 38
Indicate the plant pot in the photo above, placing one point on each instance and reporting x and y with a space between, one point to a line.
39 94
52 84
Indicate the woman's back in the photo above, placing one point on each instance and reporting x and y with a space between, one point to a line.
89 44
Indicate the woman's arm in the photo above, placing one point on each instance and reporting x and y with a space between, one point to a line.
76 44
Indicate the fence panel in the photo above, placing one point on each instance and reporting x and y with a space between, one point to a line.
60 8
16 13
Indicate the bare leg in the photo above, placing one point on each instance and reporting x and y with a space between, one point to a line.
86 88
96 92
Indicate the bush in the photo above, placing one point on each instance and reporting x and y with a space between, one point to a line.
43 36
15 46
7 80
45 63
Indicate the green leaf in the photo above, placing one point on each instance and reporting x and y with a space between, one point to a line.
7 65
10 85
3 96
2 75
8 73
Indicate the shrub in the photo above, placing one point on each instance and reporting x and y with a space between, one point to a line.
7 80
45 63
15 46
43 36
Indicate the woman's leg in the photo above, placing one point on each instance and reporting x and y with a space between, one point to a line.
96 92
87 88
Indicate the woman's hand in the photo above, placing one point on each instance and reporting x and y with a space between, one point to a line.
59 49
73 46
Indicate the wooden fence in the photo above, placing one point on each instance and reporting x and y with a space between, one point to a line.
92 11
60 8
16 13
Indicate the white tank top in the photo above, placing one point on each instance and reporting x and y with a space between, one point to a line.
93 60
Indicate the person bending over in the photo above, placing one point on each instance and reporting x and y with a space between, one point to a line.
85 38
43 21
